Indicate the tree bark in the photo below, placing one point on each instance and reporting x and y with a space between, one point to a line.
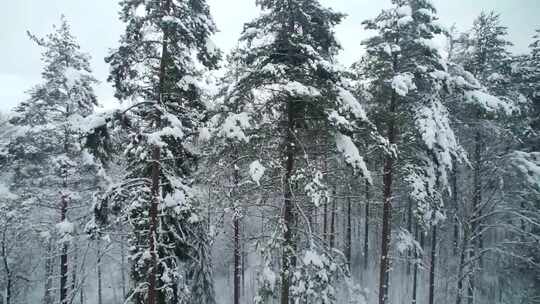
47 297
156 174
326 200
456 207
433 264
348 232
288 259
64 254
333 224
415 271
461 268
366 228
409 227
387 207
74 271
123 267
156 153
81 295
386 233
420 256
7 269
470 289
99 275
476 226
237 253
244 257
325 221
477 196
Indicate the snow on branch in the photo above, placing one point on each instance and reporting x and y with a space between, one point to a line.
529 165
234 126
433 124
406 241
351 154
402 84
65 230
74 76
317 190
489 103
349 104
256 171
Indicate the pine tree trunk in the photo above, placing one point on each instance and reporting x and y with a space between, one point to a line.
420 256
476 227
325 221
477 196
81 295
7 270
348 233
237 257
152 295
63 217
409 227
387 208
433 265
64 254
456 206
470 290
99 275
123 267
155 176
461 268
74 271
244 257
366 228
64 275
325 212
47 297
9 282
333 224
415 271
237 253
386 233
288 259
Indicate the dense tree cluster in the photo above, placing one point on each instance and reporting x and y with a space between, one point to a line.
412 176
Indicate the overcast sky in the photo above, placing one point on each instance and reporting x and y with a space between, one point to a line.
97 28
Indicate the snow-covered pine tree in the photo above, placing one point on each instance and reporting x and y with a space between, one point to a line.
408 77
483 51
523 181
483 119
51 172
286 103
16 239
225 155
534 83
527 70
163 53
522 264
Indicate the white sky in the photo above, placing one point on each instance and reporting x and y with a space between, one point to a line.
97 28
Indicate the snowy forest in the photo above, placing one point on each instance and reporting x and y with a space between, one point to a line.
274 174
